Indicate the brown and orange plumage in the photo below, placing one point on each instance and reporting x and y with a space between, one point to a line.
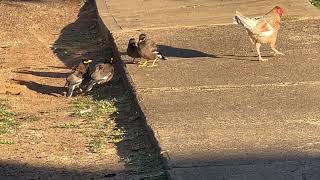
263 29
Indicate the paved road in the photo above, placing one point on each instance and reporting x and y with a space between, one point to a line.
217 113
142 14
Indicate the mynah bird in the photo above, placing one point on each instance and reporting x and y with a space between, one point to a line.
132 49
103 73
76 77
148 50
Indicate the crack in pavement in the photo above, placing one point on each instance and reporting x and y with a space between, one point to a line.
225 87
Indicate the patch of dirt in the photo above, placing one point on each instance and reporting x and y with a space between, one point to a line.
39 43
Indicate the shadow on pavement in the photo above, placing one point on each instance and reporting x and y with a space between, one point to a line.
303 167
277 166
21 171
170 51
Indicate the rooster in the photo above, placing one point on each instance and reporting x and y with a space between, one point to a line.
263 29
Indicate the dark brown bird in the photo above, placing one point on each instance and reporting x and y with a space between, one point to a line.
132 49
148 50
263 29
76 77
103 73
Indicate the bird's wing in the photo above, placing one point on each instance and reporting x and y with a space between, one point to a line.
263 28
258 25
258 18
151 45
74 79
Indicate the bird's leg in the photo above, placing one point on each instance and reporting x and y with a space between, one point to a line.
70 91
153 64
144 64
258 45
275 50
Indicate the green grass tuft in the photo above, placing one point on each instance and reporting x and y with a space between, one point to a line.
92 109
9 142
68 126
32 118
105 133
8 123
100 127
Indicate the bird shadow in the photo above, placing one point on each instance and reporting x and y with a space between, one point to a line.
42 88
182 52
44 74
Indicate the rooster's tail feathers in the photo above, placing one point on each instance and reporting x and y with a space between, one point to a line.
244 21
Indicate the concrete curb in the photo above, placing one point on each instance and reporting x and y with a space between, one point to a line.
105 21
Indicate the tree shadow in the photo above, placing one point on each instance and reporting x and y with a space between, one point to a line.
303 167
42 88
278 166
84 38
170 51
22 171
80 39
139 145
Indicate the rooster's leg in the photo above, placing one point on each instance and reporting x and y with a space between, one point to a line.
258 45
275 50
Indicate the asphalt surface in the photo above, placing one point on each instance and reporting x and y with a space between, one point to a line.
216 111
142 14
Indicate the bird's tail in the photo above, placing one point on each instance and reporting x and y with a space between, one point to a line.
243 20
92 83
160 56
